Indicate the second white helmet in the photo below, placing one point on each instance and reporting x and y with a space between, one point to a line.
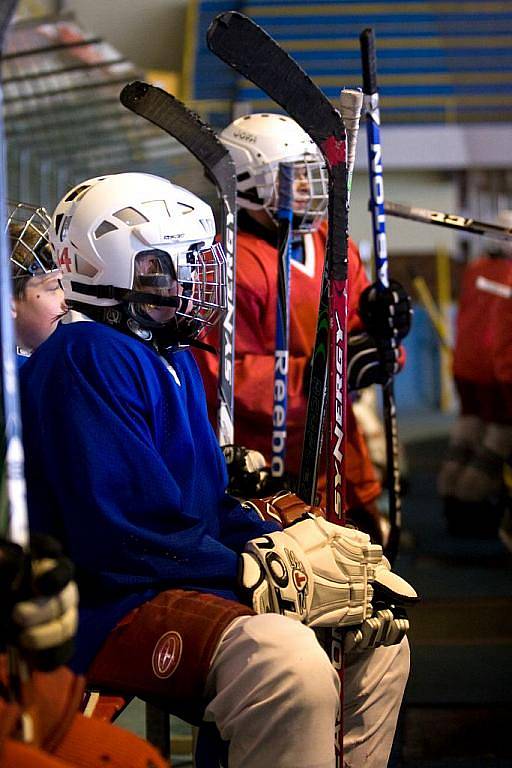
257 144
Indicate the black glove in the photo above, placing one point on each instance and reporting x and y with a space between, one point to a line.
387 312
39 606
247 471
370 361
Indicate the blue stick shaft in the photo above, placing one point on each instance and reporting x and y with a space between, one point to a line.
279 411
371 109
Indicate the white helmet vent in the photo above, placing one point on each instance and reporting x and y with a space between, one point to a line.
84 267
77 193
183 206
62 226
130 216
207 226
104 228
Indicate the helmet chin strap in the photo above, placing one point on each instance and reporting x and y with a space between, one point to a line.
162 340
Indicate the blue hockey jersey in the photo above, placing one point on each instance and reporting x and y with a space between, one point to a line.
123 467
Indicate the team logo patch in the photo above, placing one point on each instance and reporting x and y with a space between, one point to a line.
300 579
167 655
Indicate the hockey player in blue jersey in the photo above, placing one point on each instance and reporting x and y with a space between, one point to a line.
187 597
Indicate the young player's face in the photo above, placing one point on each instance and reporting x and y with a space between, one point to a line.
39 310
148 265
301 188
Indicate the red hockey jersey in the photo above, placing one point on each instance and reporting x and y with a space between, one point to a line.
254 353
483 352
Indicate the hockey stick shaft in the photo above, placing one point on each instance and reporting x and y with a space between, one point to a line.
350 108
17 527
17 518
279 411
245 47
371 107
450 220
172 116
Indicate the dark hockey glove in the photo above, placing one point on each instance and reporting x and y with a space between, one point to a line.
41 600
247 472
370 361
386 313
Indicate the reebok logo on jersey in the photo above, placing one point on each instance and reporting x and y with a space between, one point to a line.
167 655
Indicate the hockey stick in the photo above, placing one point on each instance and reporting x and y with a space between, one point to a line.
350 108
17 519
285 217
170 114
371 108
451 220
351 101
245 47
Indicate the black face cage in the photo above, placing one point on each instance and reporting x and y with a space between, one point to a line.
27 230
309 217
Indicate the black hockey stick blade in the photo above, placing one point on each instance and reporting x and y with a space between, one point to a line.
172 116
368 61
246 47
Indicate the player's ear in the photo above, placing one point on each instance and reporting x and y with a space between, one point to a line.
14 309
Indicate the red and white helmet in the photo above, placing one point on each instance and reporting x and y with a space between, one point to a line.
257 144
139 241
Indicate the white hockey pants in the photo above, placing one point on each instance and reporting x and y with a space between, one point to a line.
273 695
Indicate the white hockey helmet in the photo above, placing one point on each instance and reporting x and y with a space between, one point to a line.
258 143
138 241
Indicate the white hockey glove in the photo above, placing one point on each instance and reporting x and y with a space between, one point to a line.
319 573
387 626
39 613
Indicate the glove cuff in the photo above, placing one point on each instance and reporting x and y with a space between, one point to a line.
284 507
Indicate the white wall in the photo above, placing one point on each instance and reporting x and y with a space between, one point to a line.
418 188
148 32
